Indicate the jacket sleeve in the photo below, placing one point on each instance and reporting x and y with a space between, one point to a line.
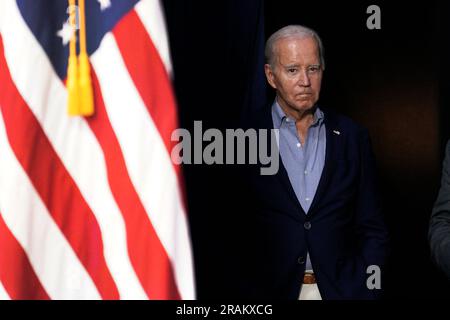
439 229
370 228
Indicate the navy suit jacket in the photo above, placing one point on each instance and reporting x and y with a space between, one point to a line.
344 231
439 230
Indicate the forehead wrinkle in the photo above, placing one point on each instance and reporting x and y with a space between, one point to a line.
291 65
295 51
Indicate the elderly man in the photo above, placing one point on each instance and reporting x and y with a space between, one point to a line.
319 221
439 232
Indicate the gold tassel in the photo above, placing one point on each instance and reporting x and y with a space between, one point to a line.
73 104
84 80
79 82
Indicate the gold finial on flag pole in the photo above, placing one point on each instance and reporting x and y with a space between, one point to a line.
84 80
73 104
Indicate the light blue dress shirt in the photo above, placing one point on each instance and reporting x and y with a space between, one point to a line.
304 163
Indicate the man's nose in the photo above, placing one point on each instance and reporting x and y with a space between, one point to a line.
304 79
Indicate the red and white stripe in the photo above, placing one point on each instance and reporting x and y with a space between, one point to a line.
3 294
94 205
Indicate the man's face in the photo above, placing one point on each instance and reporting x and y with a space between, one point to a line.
296 74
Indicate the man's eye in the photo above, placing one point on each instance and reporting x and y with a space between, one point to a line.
292 70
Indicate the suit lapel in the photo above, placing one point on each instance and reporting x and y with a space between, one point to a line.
334 139
286 182
266 122
333 143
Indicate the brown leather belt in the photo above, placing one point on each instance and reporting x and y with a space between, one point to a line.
309 278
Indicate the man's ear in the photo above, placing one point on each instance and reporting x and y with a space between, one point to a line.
269 75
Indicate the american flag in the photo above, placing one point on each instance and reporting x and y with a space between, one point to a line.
90 207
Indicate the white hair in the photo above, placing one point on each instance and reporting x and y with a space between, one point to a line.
292 31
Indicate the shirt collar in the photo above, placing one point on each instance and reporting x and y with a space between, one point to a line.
279 116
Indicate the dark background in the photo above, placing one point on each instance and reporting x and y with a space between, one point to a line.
394 81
